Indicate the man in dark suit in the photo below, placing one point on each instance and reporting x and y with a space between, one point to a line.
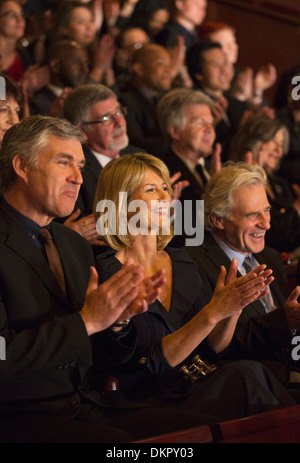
48 314
68 64
152 77
212 73
237 218
186 120
186 17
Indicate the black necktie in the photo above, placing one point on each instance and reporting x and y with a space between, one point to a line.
53 257
200 172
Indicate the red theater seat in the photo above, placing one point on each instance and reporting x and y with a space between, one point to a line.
278 426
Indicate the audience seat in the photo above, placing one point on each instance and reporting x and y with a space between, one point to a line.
201 434
278 426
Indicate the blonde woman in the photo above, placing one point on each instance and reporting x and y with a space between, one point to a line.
132 210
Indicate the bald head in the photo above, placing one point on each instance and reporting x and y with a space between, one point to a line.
68 62
152 69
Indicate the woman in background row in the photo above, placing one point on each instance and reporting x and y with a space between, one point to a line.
10 107
146 353
264 141
76 21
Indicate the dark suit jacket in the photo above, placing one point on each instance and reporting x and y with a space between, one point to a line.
41 101
168 36
284 234
209 257
226 129
192 193
142 123
257 334
48 350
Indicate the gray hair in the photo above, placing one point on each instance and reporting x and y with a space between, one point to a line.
28 138
78 102
170 109
218 194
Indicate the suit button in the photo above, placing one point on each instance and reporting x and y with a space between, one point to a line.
143 360
60 366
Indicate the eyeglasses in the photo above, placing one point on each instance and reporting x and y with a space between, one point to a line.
109 118
12 15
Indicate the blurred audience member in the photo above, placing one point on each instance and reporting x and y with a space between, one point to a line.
245 86
186 16
287 103
128 41
14 60
69 67
76 21
264 141
187 123
152 77
10 107
151 16
212 73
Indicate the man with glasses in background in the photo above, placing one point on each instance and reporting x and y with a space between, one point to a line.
95 109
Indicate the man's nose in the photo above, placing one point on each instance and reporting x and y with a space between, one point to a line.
265 221
76 175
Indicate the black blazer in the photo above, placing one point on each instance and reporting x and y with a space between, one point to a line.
47 344
209 257
257 334
41 101
192 193
142 123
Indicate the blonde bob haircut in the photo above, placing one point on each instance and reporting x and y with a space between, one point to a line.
219 190
125 174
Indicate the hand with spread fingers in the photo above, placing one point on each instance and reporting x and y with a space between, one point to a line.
178 185
121 297
292 309
232 294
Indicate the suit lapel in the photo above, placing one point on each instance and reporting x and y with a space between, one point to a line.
20 243
175 164
92 164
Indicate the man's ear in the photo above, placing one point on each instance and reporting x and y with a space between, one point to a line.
54 65
173 132
198 76
217 221
179 5
138 69
20 166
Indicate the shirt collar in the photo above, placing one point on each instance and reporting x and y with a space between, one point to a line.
231 253
30 225
101 158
